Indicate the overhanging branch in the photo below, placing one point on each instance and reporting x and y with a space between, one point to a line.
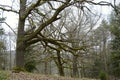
58 43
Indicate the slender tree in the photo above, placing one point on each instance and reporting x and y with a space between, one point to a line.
2 46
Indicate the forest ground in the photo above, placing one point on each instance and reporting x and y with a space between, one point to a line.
8 75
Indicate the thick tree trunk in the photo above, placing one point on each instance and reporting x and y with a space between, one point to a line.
20 50
60 67
20 45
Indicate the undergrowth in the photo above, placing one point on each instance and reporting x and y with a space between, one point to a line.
3 76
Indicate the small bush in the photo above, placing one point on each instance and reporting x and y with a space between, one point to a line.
103 76
30 66
3 76
18 69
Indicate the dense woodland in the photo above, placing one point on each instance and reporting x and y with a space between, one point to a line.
62 37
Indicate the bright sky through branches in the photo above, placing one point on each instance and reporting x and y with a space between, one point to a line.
11 18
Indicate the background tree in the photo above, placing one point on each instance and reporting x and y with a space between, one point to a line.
97 53
2 46
115 52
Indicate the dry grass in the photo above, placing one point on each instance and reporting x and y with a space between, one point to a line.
30 76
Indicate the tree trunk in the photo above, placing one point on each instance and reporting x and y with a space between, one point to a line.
60 67
75 68
45 67
20 45
105 54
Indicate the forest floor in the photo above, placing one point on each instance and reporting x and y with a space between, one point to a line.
8 75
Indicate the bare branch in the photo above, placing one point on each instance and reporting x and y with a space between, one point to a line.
9 27
52 19
32 6
58 43
9 10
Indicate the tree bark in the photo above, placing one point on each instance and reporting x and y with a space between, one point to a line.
60 67
75 68
20 45
46 68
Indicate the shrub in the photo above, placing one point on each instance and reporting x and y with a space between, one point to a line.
103 76
18 69
3 76
30 66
